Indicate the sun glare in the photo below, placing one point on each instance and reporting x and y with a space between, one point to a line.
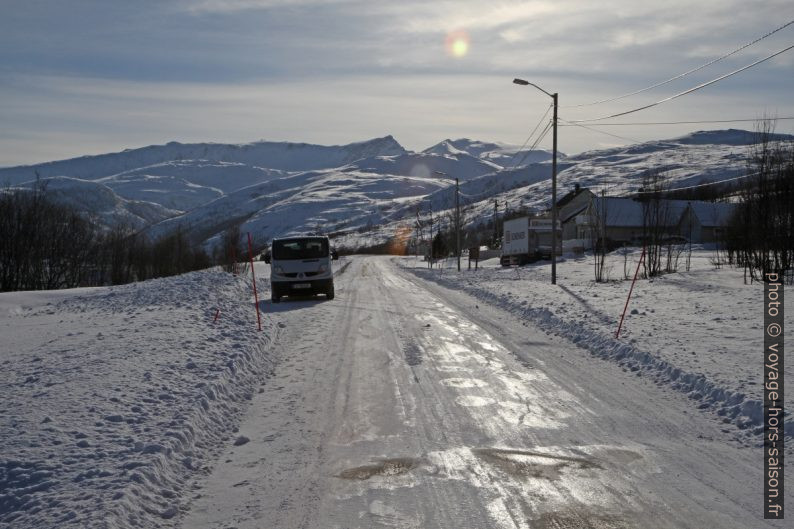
457 43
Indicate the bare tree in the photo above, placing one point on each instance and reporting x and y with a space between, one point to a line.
45 245
231 250
655 221
761 233
598 236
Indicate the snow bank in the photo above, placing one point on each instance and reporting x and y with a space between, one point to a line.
114 398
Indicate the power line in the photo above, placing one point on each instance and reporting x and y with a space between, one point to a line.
534 145
702 122
543 133
679 76
685 92
508 166
601 131
698 185
484 193
529 137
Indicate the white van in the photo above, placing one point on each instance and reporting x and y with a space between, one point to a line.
300 266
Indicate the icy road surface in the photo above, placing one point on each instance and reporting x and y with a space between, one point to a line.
402 404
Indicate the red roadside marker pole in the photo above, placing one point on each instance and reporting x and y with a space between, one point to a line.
253 276
642 256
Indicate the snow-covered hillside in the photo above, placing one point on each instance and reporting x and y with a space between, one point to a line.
362 192
103 204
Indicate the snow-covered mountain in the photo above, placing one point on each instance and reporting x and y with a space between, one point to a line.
362 192
272 155
498 153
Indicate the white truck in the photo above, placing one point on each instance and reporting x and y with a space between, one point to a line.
526 240
301 266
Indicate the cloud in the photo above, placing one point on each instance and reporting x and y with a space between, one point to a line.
432 17
335 71
231 6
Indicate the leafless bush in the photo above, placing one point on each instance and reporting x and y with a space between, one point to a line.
656 220
45 245
760 237
230 253
598 236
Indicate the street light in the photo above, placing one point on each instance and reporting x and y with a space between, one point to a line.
430 243
553 182
457 213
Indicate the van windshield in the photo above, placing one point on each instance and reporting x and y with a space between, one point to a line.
303 248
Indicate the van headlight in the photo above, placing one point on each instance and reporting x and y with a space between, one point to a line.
277 269
323 268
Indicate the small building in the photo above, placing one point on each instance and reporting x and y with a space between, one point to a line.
571 204
622 220
705 221
619 220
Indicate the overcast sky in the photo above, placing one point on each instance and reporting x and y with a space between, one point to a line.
90 76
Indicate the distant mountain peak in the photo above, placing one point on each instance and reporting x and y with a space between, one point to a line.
445 147
726 137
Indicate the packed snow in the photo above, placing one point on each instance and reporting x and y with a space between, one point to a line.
393 405
699 332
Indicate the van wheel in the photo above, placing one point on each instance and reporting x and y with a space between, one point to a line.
330 293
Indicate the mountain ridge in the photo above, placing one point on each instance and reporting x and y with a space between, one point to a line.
367 189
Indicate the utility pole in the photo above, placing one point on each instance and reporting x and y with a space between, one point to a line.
554 198
457 217
417 237
554 97
457 213
495 222
430 249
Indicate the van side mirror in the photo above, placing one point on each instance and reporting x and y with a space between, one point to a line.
334 255
266 257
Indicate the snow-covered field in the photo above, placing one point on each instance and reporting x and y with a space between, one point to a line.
699 332
114 399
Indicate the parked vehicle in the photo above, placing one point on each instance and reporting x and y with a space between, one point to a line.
300 266
526 240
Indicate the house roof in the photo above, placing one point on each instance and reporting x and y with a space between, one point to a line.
628 212
570 195
712 213
619 212
573 203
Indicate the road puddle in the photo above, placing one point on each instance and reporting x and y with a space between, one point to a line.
413 354
529 464
383 467
464 382
575 520
473 401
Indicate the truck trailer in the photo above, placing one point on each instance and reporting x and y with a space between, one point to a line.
526 240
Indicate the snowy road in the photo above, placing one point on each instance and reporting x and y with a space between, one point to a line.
402 404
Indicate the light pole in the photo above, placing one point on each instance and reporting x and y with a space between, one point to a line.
457 214
430 239
553 182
